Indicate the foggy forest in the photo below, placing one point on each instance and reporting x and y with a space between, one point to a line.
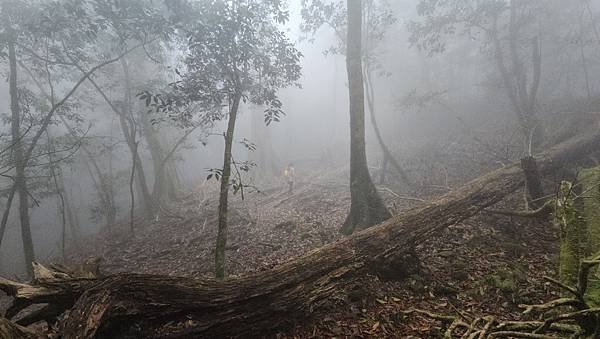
300 169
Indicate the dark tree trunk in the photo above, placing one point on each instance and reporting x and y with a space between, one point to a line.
224 192
366 207
533 183
20 161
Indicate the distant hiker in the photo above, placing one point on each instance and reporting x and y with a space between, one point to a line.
289 173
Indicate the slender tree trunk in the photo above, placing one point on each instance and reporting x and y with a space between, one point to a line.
131 190
366 206
224 193
25 154
173 183
20 162
128 125
157 154
384 166
59 191
9 200
71 217
388 157
533 183
103 189
522 99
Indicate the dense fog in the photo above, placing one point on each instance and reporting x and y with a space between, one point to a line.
315 125
451 90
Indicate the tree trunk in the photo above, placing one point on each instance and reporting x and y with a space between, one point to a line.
103 189
4 222
383 172
573 235
71 217
157 155
522 97
388 157
20 161
103 186
173 183
149 306
533 183
61 207
128 125
131 190
366 206
224 193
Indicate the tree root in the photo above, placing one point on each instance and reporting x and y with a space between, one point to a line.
583 322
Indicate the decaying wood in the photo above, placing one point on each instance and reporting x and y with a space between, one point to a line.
149 306
10 330
53 286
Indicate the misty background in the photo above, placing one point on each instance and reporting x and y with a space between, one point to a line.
444 112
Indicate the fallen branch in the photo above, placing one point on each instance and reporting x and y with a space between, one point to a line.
543 211
385 189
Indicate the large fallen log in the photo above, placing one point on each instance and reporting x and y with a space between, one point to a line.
55 288
149 306
9 330
159 306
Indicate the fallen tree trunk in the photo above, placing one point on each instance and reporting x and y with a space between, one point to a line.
57 288
13 331
158 306
147 306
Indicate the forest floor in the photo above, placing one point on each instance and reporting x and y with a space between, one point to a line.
485 265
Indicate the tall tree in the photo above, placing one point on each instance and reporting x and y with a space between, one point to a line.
377 21
20 182
366 206
512 36
238 52
48 36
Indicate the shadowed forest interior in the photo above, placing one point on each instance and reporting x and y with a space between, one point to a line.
300 169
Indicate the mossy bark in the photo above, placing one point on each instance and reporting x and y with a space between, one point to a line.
590 181
578 214
573 237
590 196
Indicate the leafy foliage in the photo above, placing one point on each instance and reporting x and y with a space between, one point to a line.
234 47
